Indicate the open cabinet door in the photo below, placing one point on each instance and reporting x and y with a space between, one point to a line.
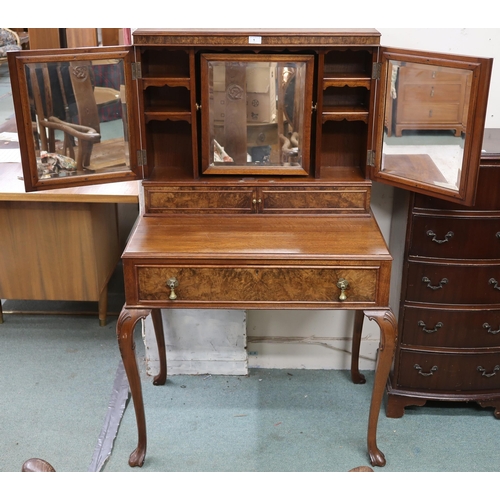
429 123
76 114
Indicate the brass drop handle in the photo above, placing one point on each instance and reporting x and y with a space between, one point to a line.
489 328
422 325
488 375
434 287
172 283
447 236
343 284
494 282
425 374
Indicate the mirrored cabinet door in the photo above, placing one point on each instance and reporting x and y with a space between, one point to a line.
431 117
256 113
73 117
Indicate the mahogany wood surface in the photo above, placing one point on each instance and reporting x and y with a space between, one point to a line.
449 319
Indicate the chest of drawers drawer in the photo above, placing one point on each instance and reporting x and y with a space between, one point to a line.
453 283
256 285
456 237
450 328
457 372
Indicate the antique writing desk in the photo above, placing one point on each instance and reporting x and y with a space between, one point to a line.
257 149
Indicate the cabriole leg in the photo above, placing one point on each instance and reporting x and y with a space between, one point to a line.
388 333
125 334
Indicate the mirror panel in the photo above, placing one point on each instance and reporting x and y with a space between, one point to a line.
426 121
75 119
430 122
256 113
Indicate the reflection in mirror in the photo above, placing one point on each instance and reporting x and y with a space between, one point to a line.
256 112
425 122
78 117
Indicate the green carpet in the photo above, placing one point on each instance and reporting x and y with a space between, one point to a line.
57 373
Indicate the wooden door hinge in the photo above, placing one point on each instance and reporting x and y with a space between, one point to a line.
370 158
141 157
136 71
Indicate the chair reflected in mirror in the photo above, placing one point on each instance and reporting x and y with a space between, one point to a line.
68 112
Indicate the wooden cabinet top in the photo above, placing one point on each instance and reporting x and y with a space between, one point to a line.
259 36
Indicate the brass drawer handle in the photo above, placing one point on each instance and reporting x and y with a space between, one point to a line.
488 375
343 284
172 283
488 327
425 374
255 201
447 236
434 287
494 282
422 325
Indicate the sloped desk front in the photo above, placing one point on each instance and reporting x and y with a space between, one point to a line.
257 262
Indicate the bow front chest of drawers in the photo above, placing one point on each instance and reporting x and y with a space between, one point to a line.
449 315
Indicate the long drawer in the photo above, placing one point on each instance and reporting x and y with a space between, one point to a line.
453 284
452 328
455 237
449 372
256 199
258 285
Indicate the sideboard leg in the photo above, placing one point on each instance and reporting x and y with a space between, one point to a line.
356 376
161 378
125 334
388 333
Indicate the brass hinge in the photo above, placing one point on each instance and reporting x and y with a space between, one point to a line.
141 157
370 158
376 71
136 71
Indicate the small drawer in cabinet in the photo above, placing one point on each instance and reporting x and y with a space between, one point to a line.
199 200
448 372
256 199
450 328
455 237
259 285
453 284
322 199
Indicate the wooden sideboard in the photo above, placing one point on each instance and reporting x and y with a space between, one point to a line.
427 99
449 311
62 244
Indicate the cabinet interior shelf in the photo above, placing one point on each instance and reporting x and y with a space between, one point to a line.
346 80
167 81
168 114
339 113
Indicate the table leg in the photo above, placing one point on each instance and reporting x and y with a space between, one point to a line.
103 306
356 376
125 334
161 378
388 333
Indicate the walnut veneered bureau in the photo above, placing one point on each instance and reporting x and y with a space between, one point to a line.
257 149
